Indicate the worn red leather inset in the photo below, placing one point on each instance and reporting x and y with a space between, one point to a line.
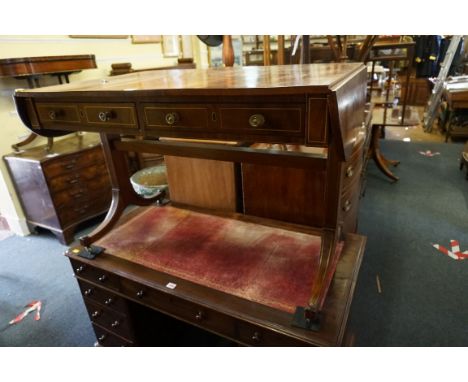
270 266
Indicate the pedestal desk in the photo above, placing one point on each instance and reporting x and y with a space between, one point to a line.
281 268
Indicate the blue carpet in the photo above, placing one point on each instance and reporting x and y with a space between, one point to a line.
424 299
34 268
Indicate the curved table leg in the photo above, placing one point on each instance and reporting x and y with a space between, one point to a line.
381 162
30 138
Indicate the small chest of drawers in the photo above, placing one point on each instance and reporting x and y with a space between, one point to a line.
60 188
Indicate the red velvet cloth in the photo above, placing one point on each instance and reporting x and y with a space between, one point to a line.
270 266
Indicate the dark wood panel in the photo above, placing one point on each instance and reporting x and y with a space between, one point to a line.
294 195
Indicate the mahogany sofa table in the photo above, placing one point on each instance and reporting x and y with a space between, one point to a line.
279 269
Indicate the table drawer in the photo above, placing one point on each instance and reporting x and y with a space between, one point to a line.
110 115
262 118
106 338
110 320
95 275
182 309
71 163
75 212
78 178
52 113
352 170
178 116
103 297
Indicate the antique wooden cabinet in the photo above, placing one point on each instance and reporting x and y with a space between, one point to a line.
281 268
60 188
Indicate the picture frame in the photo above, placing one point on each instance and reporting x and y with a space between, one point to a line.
170 45
146 39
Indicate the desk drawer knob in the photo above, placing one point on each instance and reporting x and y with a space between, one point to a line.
102 338
256 120
115 323
140 293
199 316
102 278
347 206
80 269
349 171
171 118
96 314
105 116
109 301
256 337
88 292
53 114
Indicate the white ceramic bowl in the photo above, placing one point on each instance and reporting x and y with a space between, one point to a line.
149 181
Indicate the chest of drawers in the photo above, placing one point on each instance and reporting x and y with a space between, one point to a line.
64 187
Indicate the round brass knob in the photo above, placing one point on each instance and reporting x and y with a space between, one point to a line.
256 120
52 114
109 301
349 171
347 206
256 337
172 118
95 314
140 293
199 316
88 292
115 323
102 278
104 116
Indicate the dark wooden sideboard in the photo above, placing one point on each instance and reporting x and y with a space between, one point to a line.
61 188
281 268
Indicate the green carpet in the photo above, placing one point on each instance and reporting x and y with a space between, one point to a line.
424 299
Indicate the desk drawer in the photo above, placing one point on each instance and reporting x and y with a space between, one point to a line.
53 113
95 275
178 116
103 297
106 338
110 320
123 115
262 118
352 170
71 163
254 335
182 309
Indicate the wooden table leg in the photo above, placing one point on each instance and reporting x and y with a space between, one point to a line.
381 162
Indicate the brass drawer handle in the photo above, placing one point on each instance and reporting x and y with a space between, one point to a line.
80 269
96 314
347 206
115 323
88 292
53 114
102 278
140 293
171 118
102 338
349 171
199 316
256 120
256 337
109 301
105 116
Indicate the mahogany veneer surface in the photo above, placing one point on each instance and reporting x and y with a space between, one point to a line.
271 266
